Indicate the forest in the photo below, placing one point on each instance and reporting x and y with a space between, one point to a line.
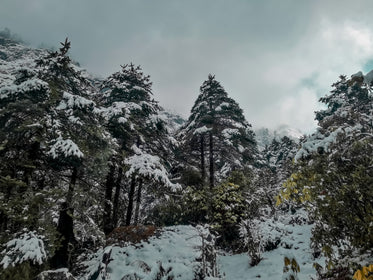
98 181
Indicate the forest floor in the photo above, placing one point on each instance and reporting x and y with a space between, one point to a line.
176 252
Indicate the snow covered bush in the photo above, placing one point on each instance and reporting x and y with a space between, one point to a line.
29 246
334 172
250 235
23 256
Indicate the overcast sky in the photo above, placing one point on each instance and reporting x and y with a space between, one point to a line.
274 57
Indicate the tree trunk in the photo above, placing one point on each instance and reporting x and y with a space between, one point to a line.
138 201
65 226
3 221
70 192
108 227
116 197
211 146
130 200
203 170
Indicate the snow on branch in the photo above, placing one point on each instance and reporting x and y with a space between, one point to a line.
201 130
29 246
119 108
27 86
319 140
66 148
148 166
71 101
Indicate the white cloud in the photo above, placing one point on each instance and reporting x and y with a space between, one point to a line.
275 59
299 76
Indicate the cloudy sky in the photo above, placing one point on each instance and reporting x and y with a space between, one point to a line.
274 57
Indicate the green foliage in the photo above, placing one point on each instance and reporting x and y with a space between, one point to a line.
25 270
228 207
170 212
224 207
196 203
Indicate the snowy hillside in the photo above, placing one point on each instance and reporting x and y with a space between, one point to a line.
14 56
176 253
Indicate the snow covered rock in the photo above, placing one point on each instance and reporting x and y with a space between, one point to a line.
59 274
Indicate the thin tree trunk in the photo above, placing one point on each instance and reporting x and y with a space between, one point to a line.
116 197
130 200
138 201
203 170
211 146
108 227
70 192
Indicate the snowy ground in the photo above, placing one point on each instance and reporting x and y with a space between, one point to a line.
173 254
293 236
176 252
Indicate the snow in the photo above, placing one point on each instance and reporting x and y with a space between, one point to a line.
71 101
27 86
139 88
368 78
66 148
62 273
29 246
229 132
201 130
319 140
295 242
149 166
175 251
118 108
221 106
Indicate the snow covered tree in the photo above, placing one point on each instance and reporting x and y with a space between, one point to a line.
50 133
275 167
334 168
133 120
22 106
217 130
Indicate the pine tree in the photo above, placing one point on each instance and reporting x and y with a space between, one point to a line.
133 120
217 130
51 132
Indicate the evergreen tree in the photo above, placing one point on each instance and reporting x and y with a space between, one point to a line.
334 169
143 145
217 130
49 112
